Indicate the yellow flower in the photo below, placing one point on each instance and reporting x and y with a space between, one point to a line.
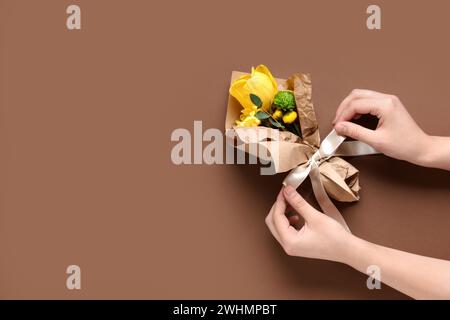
260 82
290 117
249 121
277 114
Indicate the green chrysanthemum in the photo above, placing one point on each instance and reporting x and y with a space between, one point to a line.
284 100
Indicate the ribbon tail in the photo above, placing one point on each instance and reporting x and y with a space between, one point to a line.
324 201
296 177
354 148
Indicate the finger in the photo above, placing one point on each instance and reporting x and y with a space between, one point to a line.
299 204
269 219
271 227
280 196
357 132
356 94
281 223
372 106
269 223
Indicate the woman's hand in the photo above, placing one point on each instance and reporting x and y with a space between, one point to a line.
321 237
397 134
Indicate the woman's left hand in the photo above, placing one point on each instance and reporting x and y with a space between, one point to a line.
321 237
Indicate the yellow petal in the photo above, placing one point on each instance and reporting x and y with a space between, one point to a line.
260 83
290 117
263 69
249 121
277 114
239 90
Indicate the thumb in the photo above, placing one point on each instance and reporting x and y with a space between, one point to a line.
355 131
298 203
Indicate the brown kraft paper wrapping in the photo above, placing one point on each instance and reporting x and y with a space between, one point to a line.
339 178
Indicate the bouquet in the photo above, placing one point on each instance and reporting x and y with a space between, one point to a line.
277 115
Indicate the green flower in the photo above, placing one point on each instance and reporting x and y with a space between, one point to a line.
284 100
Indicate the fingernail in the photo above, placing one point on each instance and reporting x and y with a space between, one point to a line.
289 190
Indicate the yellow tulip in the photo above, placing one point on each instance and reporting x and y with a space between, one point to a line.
261 83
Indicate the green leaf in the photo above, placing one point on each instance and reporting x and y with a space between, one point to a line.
256 100
262 115
297 130
276 124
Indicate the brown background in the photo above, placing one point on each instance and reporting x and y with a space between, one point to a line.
86 117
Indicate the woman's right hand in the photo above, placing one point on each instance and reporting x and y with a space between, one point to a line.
397 134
